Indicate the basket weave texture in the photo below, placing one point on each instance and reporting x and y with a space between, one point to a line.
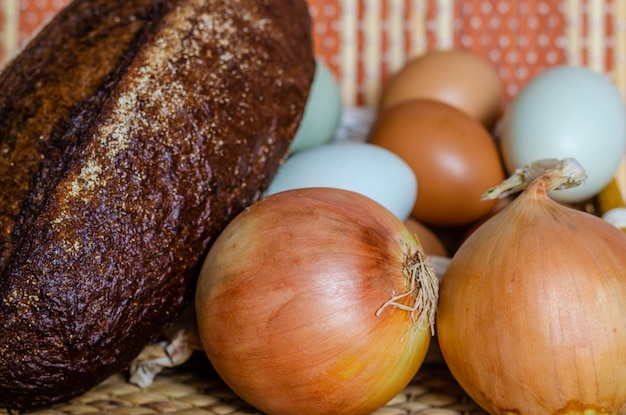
182 391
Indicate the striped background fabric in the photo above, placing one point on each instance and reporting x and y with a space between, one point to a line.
365 41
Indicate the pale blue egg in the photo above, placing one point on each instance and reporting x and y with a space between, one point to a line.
360 167
567 112
322 112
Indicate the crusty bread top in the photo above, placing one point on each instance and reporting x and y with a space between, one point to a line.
41 87
131 132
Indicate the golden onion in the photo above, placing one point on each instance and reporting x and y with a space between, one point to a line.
316 301
532 309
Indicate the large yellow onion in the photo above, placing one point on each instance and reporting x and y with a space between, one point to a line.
532 311
316 301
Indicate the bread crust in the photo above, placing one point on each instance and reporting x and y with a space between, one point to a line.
131 133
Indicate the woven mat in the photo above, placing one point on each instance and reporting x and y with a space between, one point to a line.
182 391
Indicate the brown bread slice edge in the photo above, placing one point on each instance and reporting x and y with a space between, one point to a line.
131 133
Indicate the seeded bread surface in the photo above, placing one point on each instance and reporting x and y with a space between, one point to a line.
131 133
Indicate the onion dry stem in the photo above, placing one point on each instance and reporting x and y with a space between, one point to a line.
423 290
553 174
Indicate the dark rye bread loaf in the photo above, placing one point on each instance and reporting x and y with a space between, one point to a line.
131 133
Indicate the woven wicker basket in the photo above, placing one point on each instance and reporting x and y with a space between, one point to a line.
190 391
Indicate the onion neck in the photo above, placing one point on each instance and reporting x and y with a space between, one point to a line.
537 190
540 177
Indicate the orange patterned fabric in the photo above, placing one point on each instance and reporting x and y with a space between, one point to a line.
520 38
365 41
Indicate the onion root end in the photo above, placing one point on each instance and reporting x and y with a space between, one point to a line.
423 291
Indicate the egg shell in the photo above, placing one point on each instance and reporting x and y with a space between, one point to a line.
360 167
453 156
456 77
430 242
322 112
567 112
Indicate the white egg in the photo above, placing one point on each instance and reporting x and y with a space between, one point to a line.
567 112
322 112
360 167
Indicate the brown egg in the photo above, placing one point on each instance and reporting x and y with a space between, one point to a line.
452 155
428 239
457 77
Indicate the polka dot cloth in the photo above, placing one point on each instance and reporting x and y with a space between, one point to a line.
520 40
366 41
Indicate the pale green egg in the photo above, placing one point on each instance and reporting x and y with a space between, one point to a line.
565 112
322 112
363 168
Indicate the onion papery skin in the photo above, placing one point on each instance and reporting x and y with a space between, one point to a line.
532 311
287 301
